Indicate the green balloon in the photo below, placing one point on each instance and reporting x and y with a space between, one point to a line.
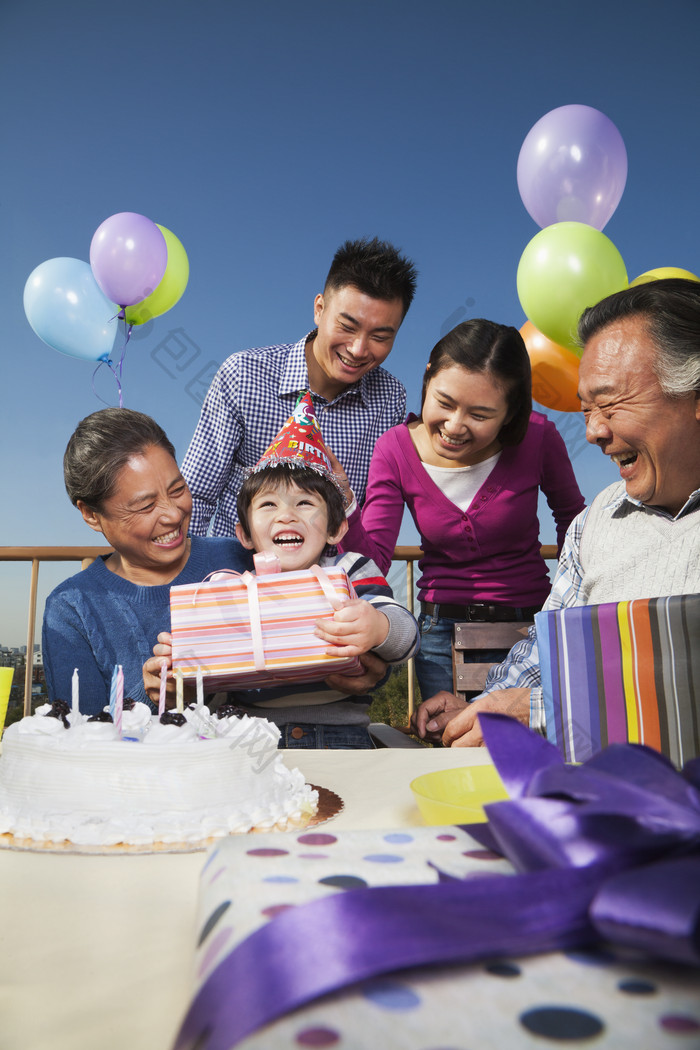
172 284
565 268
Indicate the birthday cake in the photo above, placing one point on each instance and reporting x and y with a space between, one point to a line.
182 778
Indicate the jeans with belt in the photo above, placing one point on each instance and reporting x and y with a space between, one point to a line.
434 659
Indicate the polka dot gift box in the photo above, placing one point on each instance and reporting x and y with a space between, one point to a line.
427 939
579 998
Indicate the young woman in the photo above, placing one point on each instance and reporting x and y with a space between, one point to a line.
469 468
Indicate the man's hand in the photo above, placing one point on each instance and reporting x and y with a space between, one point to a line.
463 730
359 684
353 629
430 718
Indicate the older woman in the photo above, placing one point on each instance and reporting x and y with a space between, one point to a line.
120 472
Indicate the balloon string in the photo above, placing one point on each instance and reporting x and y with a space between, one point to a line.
116 371
104 361
128 329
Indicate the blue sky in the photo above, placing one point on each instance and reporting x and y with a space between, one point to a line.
263 136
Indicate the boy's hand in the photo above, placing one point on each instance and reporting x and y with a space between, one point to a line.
163 653
355 628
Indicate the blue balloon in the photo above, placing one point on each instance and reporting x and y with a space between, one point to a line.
69 311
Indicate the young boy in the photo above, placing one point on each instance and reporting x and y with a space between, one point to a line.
290 506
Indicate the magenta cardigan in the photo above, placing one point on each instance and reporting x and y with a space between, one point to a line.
490 552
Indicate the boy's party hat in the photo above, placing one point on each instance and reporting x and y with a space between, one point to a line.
299 443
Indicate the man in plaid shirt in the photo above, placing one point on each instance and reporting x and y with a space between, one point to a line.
368 290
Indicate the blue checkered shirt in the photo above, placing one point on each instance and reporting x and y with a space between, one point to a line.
251 397
521 668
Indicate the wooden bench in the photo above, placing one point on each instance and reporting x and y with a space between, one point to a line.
469 678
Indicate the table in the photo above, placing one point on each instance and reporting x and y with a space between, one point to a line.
96 953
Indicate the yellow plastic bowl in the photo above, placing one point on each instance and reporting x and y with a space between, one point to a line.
457 796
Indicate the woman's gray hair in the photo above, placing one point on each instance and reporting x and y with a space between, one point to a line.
671 311
100 446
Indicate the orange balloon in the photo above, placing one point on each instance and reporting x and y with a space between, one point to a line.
554 371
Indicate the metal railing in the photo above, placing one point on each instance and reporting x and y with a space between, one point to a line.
86 555
35 555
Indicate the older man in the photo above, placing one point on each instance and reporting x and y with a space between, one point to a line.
639 385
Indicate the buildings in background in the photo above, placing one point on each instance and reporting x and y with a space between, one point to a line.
16 656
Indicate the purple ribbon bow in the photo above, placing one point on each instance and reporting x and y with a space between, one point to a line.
609 850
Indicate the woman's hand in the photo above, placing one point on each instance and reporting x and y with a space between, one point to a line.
359 684
164 647
353 629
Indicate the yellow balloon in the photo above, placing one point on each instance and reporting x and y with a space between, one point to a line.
172 284
661 273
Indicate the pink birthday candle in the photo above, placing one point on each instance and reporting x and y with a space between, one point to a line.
119 706
163 681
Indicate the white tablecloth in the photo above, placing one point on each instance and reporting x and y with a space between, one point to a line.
96 953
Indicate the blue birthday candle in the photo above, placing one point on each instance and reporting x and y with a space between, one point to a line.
113 692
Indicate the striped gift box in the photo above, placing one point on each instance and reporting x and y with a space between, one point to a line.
252 631
623 672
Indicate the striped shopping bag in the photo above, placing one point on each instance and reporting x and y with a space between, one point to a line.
623 672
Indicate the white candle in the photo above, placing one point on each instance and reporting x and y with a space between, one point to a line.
120 700
75 690
163 681
200 686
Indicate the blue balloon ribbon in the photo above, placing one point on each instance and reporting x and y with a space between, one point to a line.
115 370
609 850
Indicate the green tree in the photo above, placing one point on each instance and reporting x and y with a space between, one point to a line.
390 701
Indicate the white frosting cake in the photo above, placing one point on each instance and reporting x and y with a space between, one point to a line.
161 783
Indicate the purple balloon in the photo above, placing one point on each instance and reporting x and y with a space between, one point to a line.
128 256
572 167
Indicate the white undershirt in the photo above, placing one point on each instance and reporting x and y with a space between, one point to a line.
461 484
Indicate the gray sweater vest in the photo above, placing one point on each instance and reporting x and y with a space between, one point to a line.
635 552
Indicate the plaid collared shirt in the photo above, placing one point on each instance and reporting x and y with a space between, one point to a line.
521 668
251 397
